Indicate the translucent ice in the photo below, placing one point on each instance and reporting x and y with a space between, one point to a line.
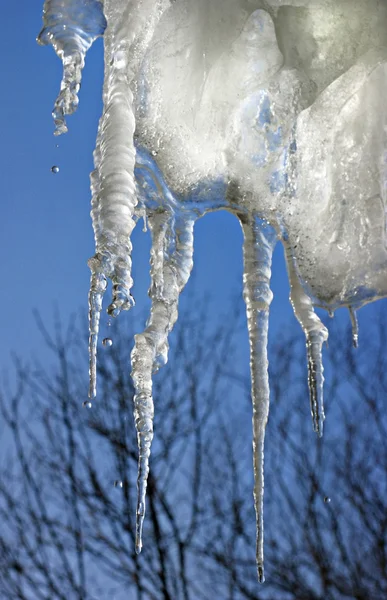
271 109
71 26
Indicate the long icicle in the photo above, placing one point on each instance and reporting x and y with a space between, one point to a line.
171 264
259 241
113 184
316 334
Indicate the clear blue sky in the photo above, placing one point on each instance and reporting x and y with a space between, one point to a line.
45 229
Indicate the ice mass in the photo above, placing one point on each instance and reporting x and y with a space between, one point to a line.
271 109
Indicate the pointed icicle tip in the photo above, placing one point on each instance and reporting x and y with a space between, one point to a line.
98 286
261 574
314 344
140 515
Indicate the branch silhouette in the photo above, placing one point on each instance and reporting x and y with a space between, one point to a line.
67 480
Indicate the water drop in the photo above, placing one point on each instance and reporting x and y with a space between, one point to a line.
109 323
327 499
118 484
87 404
55 169
56 145
107 342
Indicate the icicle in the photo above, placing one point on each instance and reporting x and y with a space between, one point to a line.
171 264
113 185
71 27
97 290
355 327
259 241
316 334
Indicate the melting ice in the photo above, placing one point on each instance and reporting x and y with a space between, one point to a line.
271 109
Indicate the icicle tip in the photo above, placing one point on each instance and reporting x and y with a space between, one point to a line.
140 515
261 574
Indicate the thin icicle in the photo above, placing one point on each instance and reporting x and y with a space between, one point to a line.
316 334
355 327
97 290
171 264
259 241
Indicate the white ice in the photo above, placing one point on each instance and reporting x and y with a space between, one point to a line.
271 109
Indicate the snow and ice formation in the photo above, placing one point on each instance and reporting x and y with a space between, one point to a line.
271 109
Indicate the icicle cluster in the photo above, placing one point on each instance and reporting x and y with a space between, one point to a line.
271 109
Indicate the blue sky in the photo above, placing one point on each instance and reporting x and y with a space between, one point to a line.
45 231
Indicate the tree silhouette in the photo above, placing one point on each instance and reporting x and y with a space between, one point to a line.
67 480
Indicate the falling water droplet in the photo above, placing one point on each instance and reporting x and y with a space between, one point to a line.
107 342
327 499
55 169
331 314
109 323
56 145
118 484
87 404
